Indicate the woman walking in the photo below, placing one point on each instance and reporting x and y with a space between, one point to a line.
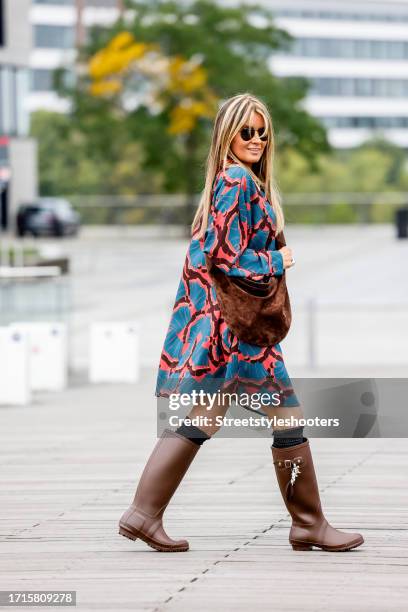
236 224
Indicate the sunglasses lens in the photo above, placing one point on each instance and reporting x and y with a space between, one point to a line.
262 135
246 134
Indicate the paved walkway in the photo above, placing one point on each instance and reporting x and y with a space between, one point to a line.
70 463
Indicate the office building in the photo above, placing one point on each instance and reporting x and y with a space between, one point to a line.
355 54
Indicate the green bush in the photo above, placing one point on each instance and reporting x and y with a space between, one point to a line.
341 212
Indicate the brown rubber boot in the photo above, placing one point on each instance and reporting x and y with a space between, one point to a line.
164 470
298 485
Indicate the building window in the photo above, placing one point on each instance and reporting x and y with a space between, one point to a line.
103 3
96 3
22 87
2 40
54 37
42 79
6 106
14 117
363 87
365 49
377 88
309 14
365 122
66 2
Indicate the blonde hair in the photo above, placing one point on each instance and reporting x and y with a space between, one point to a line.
233 114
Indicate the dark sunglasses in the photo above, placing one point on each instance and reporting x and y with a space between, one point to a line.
247 133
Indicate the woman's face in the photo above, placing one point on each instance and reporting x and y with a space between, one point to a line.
250 151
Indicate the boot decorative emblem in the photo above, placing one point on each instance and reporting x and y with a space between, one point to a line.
294 473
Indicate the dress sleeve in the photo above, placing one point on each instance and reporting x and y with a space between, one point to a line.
227 234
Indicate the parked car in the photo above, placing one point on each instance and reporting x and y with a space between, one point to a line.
47 216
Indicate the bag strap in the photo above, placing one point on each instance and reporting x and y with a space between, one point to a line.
280 240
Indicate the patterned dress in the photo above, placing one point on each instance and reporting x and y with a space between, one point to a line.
200 351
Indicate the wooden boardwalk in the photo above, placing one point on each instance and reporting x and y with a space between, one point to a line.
69 466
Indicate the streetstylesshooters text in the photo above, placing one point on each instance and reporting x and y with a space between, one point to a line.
254 401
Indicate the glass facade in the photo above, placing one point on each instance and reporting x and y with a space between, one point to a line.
377 88
365 122
2 24
102 3
97 3
42 79
344 16
349 48
376 51
14 87
54 37
65 2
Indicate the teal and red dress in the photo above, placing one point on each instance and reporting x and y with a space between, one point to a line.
200 351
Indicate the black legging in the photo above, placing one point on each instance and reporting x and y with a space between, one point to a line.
281 438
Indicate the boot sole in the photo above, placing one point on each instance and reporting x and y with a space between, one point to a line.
134 535
309 546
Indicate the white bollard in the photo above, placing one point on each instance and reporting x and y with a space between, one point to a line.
114 352
14 366
48 354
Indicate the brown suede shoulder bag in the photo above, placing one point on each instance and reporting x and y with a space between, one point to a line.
256 312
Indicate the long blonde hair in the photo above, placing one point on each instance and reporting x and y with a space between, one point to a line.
233 114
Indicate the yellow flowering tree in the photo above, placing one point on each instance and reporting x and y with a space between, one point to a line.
157 76
176 84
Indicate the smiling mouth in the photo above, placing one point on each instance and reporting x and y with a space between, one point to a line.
254 150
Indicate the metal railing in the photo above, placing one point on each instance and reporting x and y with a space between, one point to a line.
27 291
39 299
341 207
339 332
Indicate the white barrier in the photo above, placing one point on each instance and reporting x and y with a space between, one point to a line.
48 354
29 271
14 366
114 352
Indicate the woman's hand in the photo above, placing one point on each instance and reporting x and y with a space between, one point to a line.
286 253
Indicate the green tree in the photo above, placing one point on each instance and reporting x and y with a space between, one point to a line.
69 165
375 167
